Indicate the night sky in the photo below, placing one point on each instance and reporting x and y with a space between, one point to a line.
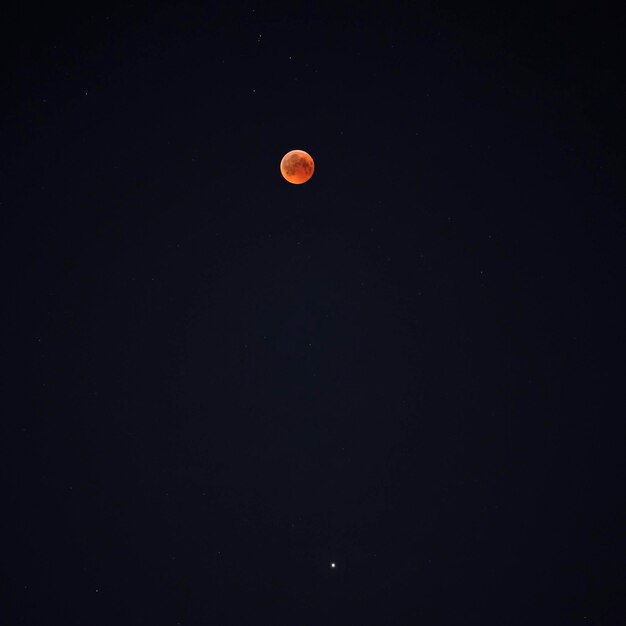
218 384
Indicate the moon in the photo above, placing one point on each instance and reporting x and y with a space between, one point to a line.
297 167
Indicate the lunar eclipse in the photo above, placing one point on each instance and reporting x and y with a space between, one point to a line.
297 167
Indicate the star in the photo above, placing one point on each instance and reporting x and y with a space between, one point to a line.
333 565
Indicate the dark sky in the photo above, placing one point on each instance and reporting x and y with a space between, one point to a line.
412 366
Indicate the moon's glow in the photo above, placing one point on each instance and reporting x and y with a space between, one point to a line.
297 167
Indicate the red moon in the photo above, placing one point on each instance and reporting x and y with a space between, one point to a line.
297 167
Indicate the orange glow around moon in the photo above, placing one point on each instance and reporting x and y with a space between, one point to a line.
297 167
